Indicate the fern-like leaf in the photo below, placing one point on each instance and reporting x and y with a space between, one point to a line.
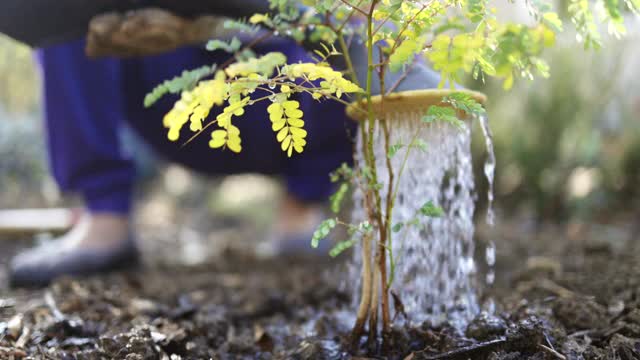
186 81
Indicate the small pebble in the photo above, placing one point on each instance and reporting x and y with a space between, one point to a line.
615 308
139 306
14 326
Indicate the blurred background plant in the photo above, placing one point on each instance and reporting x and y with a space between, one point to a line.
23 179
19 86
568 147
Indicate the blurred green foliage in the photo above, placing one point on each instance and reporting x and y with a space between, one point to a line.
19 86
569 146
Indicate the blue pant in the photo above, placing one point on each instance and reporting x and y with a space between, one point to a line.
87 101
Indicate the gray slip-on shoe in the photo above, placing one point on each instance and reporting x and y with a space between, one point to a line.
37 267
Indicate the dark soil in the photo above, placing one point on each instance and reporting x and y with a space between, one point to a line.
557 296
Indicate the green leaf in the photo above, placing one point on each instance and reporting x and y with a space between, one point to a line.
264 65
405 53
465 102
553 20
393 150
397 227
582 17
245 55
344 172
232 46
241 25
420 144
337 198
613 10
186 81
322 232
442 113
342 246
477 10
431 210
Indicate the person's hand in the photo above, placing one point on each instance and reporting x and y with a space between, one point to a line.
146 32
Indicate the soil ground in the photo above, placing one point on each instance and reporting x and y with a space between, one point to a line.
560 293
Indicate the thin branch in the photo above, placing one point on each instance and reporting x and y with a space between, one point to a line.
401 78
381 24
346 21
198 133
386 228
354 7
552 352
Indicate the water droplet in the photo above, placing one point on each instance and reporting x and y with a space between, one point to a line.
272 85
490 258
491 277
272 98
490 254
348 7
489 166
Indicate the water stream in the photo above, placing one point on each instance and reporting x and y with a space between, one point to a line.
435 268
489 166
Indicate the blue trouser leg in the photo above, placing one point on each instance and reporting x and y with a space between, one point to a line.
83 111
115 90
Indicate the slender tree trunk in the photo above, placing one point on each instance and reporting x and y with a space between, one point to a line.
373 311
382 266
365 295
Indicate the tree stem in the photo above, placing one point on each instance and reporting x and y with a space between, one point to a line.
373 311
385 240
365 293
